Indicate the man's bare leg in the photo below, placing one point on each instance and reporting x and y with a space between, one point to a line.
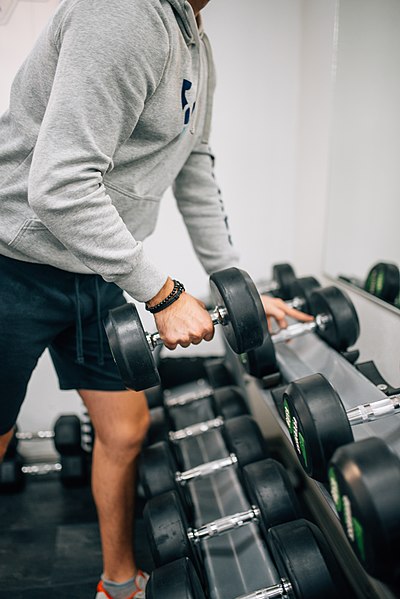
120 420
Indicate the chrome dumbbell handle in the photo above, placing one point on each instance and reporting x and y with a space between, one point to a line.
298 329
186 398
224 525
297 303
21 436
218 316
375 410
196 429
277 591
40 469
205 469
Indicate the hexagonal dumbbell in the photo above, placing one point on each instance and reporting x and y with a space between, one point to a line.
238 309
319 423
227 402
336 322
306 567
72 466
273 501
159 471
364 480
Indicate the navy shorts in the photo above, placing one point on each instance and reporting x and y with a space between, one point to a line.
44 307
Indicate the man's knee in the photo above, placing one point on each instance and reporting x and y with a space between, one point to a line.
127 438
4 443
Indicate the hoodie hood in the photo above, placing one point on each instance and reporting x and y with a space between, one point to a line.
186 19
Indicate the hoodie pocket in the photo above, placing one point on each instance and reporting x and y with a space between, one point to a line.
139 213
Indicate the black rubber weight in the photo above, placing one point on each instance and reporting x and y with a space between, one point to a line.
159 426
343 329
243 438
365 484
68 435
229 402
157 468
269 488
166 528
303 288
318 423
246 324
383 281
177 580
284 276
129 346
154 397
261 362
304 558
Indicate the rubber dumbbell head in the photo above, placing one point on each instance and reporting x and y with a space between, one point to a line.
383 281
364 480
300 293
176 580
319 423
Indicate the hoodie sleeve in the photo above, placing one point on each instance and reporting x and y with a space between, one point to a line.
111 56
200 202
199 198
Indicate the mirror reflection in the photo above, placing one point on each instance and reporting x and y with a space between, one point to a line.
362 241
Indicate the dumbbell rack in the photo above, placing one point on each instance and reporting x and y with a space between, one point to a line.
238 562
299 358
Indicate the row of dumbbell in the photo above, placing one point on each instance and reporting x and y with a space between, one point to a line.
319 425
364 476
273 503
239 310
73 440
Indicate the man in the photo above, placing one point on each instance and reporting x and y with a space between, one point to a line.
112 106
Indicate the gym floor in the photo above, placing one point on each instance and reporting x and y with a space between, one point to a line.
50 543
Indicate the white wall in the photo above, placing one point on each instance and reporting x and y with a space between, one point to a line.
271 136
364 204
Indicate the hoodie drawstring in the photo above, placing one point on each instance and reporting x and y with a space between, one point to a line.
80 358
100 355
78 329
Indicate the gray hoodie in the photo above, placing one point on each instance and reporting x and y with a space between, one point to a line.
111 107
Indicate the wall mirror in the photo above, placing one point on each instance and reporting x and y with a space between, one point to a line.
363 221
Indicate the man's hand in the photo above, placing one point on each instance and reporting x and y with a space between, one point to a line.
186 321
277 309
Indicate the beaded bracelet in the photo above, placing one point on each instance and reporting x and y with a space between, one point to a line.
167 301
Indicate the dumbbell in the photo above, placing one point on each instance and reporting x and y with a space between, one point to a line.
304 560
72 465
227 402
319 423
45 435
300 293
238 309
364 479
283 276
273 501
336 322
306 567
159 471
383 281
